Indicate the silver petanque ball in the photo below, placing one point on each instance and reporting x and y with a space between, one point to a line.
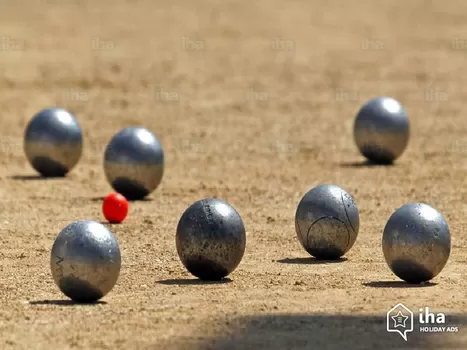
382 130
210 239
53 142
327 222
416 242
134 162
85 261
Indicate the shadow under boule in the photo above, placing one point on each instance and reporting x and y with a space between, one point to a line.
65 302
193 281
34 177
366 164
397 284
311 261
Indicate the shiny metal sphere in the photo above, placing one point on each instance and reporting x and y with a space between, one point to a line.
53 142
85 261
416 242
210 239
327 222
382 130
134 162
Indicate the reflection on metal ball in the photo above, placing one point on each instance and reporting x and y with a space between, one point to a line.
416 242
210 239
382 130
53 142
327 222
85 261
134 162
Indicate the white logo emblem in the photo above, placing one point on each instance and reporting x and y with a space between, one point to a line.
400 320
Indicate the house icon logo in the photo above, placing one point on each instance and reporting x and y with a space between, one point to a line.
400 320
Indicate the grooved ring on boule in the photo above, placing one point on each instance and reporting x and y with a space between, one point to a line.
134 162
323 245
53 142
210 239
382 130
327 222
416 242
85 261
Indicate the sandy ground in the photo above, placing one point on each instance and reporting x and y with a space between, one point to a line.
254 103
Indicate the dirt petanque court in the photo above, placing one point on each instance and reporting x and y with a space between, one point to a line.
254 103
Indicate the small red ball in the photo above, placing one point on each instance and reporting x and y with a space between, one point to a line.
115 208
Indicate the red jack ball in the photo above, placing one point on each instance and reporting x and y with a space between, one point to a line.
115 208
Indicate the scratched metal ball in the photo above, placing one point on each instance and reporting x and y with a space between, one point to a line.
53 142
382 130
210 239
134 162
416 242
85 261
327 222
